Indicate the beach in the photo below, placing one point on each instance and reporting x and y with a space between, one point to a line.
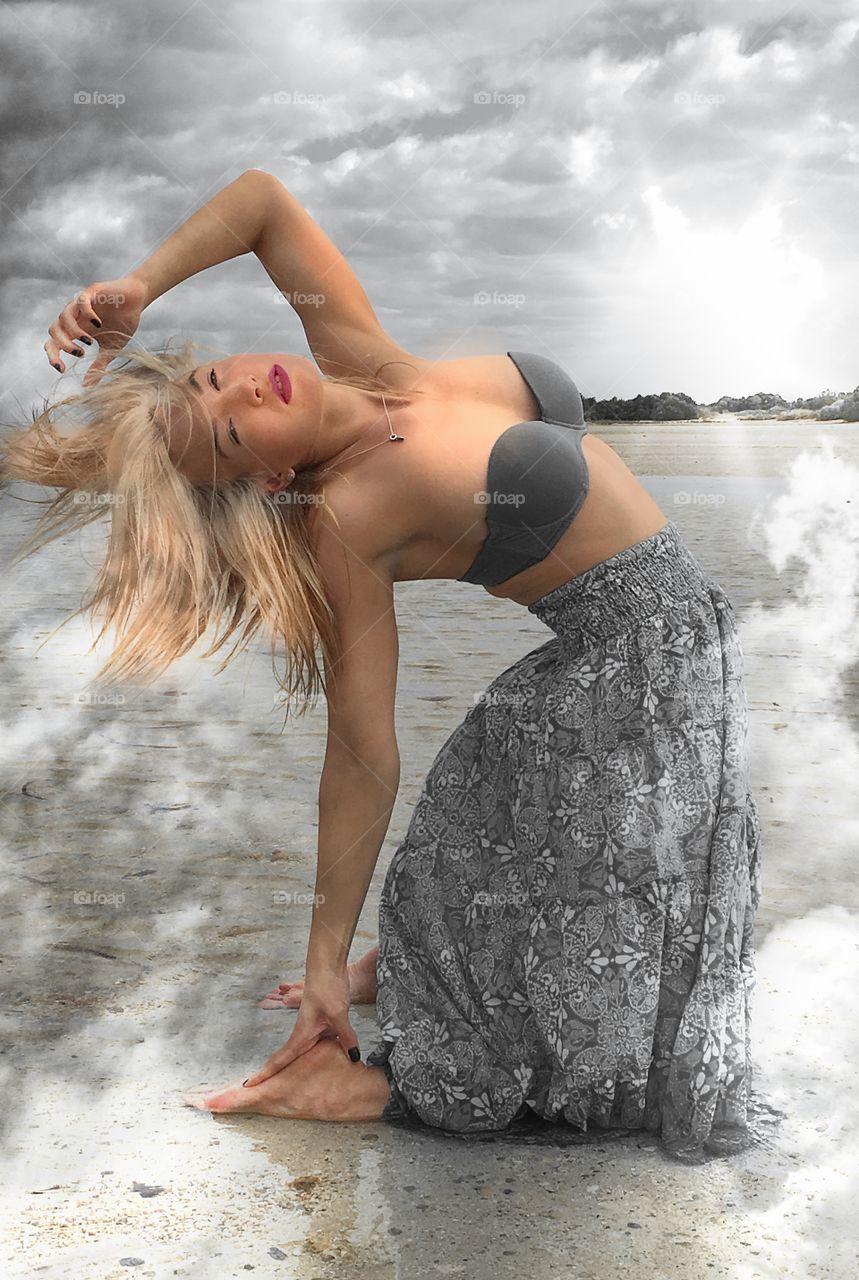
159 852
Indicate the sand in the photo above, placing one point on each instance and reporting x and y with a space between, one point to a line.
158 853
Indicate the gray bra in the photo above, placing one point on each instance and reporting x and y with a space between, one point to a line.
537 476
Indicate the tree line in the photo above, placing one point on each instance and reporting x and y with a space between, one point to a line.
669 406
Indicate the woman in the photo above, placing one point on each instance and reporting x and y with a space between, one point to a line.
567 927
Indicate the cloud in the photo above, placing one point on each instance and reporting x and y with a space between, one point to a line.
440 148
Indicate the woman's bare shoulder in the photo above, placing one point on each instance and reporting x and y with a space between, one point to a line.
491 378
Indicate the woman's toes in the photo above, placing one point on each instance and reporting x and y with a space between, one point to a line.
195 1100
290 988
196 1097
285 994
233 1098
280 1000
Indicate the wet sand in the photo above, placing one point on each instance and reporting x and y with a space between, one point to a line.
158 856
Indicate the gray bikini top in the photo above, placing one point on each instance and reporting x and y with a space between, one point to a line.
537 476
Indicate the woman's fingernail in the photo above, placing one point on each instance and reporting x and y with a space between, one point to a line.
245 1081
97 323
355 1053
88 341
77 353
57 367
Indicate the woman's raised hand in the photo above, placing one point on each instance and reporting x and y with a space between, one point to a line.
108 310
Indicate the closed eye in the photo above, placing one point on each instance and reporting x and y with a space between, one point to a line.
231 431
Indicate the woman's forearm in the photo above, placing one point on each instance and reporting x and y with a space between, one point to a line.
227 226
355 803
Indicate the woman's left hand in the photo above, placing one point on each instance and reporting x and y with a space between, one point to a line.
107 310
324 1013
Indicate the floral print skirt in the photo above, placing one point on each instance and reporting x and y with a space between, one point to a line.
567 927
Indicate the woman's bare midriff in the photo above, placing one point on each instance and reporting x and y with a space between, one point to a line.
428 483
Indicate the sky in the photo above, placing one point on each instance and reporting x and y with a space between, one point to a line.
659 196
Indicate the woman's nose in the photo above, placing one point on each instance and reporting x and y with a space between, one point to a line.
250 389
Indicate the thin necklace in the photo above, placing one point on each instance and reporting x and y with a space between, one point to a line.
393 435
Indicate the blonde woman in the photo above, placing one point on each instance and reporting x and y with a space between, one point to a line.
566 928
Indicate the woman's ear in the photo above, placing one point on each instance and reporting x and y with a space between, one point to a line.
275 483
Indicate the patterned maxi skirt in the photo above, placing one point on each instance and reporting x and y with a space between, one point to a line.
567 928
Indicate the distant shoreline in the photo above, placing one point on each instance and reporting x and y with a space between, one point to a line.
749 415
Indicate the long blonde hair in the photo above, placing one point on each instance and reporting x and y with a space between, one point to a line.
180 557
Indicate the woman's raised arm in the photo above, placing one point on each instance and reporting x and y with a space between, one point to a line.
229 225
253 214
257 214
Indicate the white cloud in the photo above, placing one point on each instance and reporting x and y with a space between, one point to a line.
707 240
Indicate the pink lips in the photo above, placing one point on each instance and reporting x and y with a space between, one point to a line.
276 374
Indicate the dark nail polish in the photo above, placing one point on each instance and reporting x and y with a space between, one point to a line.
97 323
355 1054
88 341
244 1082
77 353
57 367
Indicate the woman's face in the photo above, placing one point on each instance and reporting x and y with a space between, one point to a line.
258 413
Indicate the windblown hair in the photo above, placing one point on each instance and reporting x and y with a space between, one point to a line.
180 557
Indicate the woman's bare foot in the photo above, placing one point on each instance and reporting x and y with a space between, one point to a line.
362 986
320 1085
